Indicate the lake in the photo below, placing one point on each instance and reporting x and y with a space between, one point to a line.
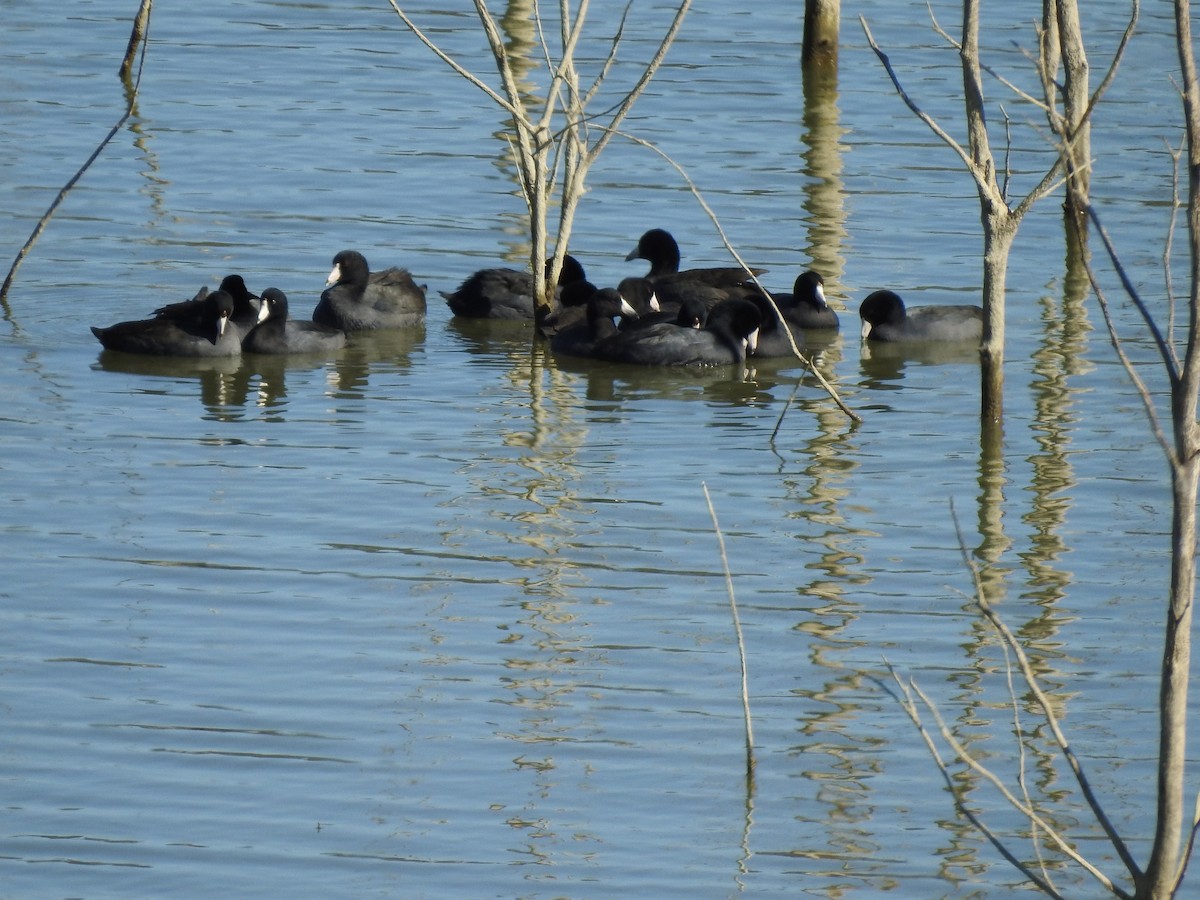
442 615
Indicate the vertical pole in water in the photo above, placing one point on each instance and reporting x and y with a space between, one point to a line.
135 38
820 45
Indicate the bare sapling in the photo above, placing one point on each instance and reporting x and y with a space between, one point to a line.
554 146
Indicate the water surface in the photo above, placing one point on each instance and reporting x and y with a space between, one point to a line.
442 616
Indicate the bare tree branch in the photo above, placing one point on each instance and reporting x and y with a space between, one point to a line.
957 45
912 105
909 705
454 64
741 643
140 31
824 382
1031 680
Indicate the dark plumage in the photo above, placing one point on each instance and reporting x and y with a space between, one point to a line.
639 293
805 307
885 319
603 308
773 335
800 312
184 309
672 286
248 309
359 300
730 330
572 308
207 333
279 334
506 293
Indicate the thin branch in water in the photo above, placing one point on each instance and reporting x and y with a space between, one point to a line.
1118 55
137 38
786 407
1022 781
1030 813
929 121
957 45
1165 351
1007 153
909 705
1168 249
737 627
130 105
1048 713
824 382
454 64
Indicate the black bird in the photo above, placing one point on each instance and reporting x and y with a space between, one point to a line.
805 307
248 309
603 308
279 334
885 319
500 293
730 330
206 334
672 286
360 300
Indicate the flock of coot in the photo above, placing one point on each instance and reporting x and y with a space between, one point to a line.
692 317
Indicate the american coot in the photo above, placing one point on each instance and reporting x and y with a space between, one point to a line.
805 307
571 311
731 329
885 319
773 334
359 300
639 293
691 312
248 309
672 286
206 334
801 312
279 334
507 293
603 308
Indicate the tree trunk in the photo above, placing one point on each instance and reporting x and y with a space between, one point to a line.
1162 875
140 23
820 43
999 225
1075 104
999 230
538 199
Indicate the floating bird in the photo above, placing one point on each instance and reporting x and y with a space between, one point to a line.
884 318
208 333
360 300
279 334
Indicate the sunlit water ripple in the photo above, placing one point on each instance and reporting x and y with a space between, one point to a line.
442 616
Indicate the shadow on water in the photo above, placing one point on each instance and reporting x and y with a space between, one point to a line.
885 365
622 382
486 339
373 352
221 384
1056 361
228 387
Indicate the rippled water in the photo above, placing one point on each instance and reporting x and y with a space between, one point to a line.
442 616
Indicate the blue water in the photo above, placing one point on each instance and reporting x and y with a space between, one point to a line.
441 616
